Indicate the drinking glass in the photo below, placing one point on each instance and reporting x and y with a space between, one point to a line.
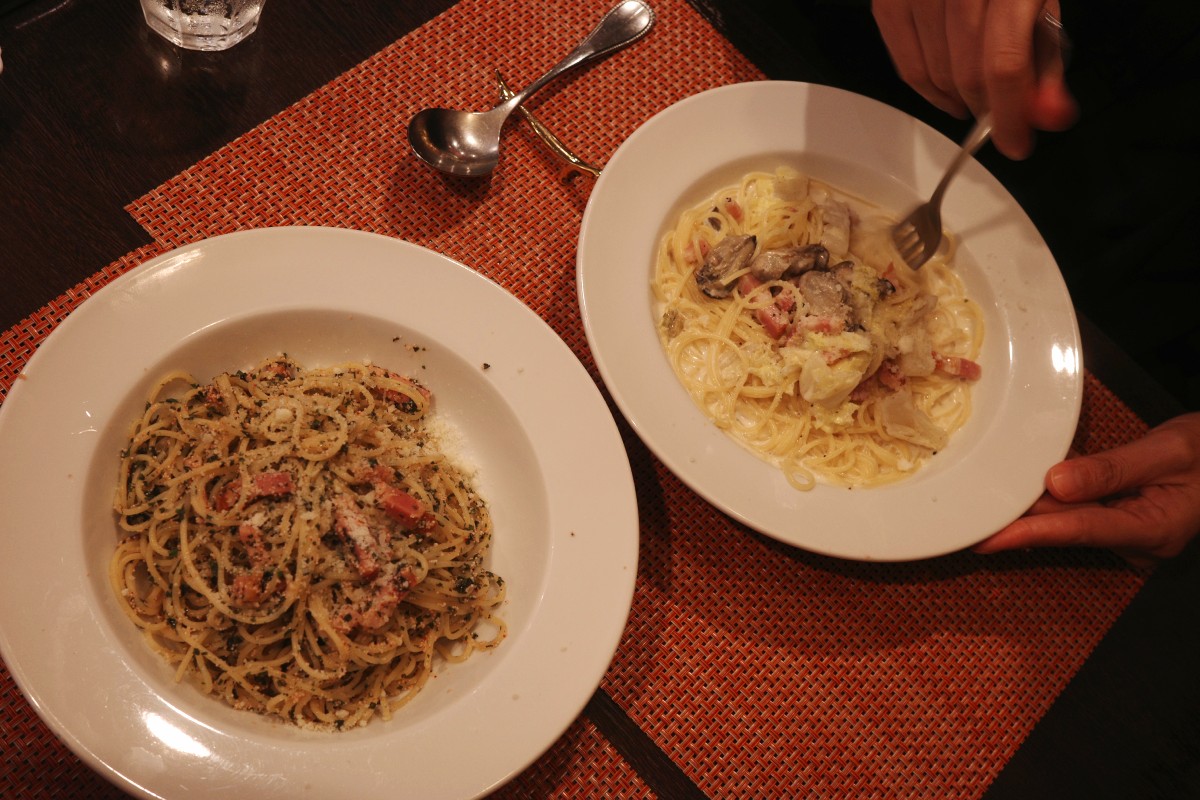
203 24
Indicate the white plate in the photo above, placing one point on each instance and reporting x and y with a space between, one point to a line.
1025 407
566 536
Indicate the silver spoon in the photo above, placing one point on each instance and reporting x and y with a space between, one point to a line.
468 142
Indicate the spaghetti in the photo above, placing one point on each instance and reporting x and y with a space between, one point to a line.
793 325
298 545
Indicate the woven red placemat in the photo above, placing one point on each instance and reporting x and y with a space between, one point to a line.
760 669
340 156
772 672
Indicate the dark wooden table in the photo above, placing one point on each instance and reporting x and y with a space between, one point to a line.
95 110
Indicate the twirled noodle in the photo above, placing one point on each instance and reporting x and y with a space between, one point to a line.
792 323
297 543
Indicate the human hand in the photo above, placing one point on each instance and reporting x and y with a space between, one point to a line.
976 55
1141 499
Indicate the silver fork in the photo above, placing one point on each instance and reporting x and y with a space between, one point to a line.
919 235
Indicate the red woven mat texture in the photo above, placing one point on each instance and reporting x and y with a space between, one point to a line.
771 672
761 670
341 156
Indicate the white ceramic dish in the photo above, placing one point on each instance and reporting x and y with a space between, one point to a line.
566 528
1026 406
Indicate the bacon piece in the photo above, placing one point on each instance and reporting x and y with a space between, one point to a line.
251 588
733 208
888 378
395 397
690 254
246 589
386 593
351 524
958 367
747 284
226 497
379 610
786 300
266 484
273 484
820 324
863 390
251 536
399 504
774 318
278 369
213 398
393 500
835 354
889 375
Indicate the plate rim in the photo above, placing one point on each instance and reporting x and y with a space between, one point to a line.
616 555
930 151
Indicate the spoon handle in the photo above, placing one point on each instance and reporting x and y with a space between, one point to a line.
624 24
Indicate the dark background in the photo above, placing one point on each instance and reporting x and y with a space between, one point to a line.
1115 197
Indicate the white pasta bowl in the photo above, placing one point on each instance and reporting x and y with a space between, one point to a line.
1025 407
566 532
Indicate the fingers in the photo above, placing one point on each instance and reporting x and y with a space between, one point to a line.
1135 529
1065 526
939 83
970 56
1141 499
964 31
916 42
1162 452
1009 72
1053 108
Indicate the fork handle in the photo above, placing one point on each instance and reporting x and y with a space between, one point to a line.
976 138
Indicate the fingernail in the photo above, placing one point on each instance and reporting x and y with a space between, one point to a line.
1063 482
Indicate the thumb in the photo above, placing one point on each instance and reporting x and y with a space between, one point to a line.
1052 107
1094 477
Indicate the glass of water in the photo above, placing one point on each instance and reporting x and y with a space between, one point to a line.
203 24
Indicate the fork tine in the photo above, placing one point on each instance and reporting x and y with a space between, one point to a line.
918 259
903 236
907 240
917 256
926 220
918 236
910 245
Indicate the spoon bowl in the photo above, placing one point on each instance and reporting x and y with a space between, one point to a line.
457 142
467 143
